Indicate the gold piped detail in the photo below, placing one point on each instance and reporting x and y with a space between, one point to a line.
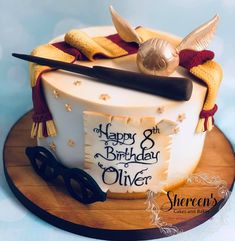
71 143
68 107
56 94
52 146
181 117
77 82
160 109
104 97
176 130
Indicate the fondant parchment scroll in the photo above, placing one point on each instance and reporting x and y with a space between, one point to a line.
127 154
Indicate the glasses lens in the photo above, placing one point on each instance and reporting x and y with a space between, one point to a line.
49 173
78 191
83 187
74 188
39 165
40 160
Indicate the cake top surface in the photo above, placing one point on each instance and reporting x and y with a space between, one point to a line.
87 89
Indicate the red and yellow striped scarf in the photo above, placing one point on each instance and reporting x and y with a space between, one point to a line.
200 64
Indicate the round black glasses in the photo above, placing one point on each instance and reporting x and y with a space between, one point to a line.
79 183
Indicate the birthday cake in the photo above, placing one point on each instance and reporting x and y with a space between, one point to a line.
129 141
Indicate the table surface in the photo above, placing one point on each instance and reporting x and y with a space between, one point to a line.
26 24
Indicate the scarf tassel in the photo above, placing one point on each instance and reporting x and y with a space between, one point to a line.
206 121
43 124
43 129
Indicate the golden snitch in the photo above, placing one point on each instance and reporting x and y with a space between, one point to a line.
157 56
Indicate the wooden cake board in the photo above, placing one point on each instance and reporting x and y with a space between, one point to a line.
113 219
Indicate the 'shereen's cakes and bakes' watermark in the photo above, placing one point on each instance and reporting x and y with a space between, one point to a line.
187 204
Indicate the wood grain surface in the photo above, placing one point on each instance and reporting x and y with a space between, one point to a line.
52 198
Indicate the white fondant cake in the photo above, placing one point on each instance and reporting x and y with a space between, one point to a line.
127 140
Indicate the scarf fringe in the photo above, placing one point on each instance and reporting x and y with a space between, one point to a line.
43 129
205 124
206 121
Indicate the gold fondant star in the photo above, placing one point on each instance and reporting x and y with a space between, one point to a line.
181 117
71 143
104 97
160 109
68 107
56 94
77 82
176 130
52 146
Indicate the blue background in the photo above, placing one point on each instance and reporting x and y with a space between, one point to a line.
25 24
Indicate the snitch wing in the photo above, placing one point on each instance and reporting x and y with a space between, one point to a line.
200 38
124 29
